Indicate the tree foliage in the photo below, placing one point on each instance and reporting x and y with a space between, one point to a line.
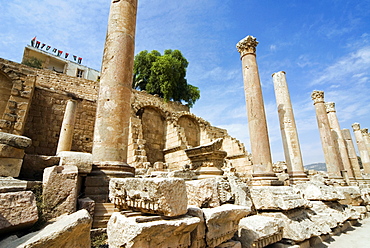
33 62
164 75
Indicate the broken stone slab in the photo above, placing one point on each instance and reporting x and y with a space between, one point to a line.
330 213
259 231
60 190
163 196
7 151
222 222
67 231
10 167
82 160
16 141
277 198
352 195
198 235
18 210
33 165
203 193
130 232
317 191
9 184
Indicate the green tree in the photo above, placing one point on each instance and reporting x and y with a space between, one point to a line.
164 75
33 62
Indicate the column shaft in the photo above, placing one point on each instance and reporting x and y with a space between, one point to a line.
352 153
366 138
289 135
68 125
364 154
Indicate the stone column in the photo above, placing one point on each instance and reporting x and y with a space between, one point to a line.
113 104
68 125
289 135
352 153
338 138
260 146
364 154
366 138
332 159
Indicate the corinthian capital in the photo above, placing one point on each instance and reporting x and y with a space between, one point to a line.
356 126
247 45
364 131
330 107
317 96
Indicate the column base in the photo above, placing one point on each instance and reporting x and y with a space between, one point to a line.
266 179
297 177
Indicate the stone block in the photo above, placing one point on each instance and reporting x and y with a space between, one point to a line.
230 244
86 203
352 195
16 141
277 198
365 195
82 160
67 231
9 184
33 165
135 232
164 196
203 193
222 222
317 191
17 211
259 231
330 213
7 151
60 189
198 235
10 167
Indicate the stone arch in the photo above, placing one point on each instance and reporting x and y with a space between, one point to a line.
154 132
191 128
6 85
138 106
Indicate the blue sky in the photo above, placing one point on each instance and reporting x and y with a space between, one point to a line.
321 45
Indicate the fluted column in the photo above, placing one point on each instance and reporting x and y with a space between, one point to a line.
260 146
332 159
338 138
68 125
292 150
352 153
364 154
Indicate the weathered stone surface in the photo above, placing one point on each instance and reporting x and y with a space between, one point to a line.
222 222
17 210
329 213
352 195
198 235
277 198
316 191
164 196
9 184
82 160
60 190
10 167
184 174
232 190
365 194
7 151
33 165
86 203
255 230
203 193
230 244
130 232
68 231
16 141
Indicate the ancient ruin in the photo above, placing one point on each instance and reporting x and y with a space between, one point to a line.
82 161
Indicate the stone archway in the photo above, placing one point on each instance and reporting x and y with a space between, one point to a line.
5 92
191 129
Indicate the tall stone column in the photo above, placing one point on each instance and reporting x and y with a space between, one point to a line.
113 104
338 138
332 159
352 153
366 138
260 146
289 135
68 125
364 154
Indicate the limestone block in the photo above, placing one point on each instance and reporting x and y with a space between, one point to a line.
68 231
203 193
198 235
297 224
16 141
365 195
17 210
277 198
164 196
60 189
222 222
316 191
82 160
10 167
259 231
230 244
131 232
86 203
33 165
9 184
7 151
331 213
352 195
184 174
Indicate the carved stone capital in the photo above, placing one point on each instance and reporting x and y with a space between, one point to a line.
247 45
330 107
356 126
364 131
317 96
